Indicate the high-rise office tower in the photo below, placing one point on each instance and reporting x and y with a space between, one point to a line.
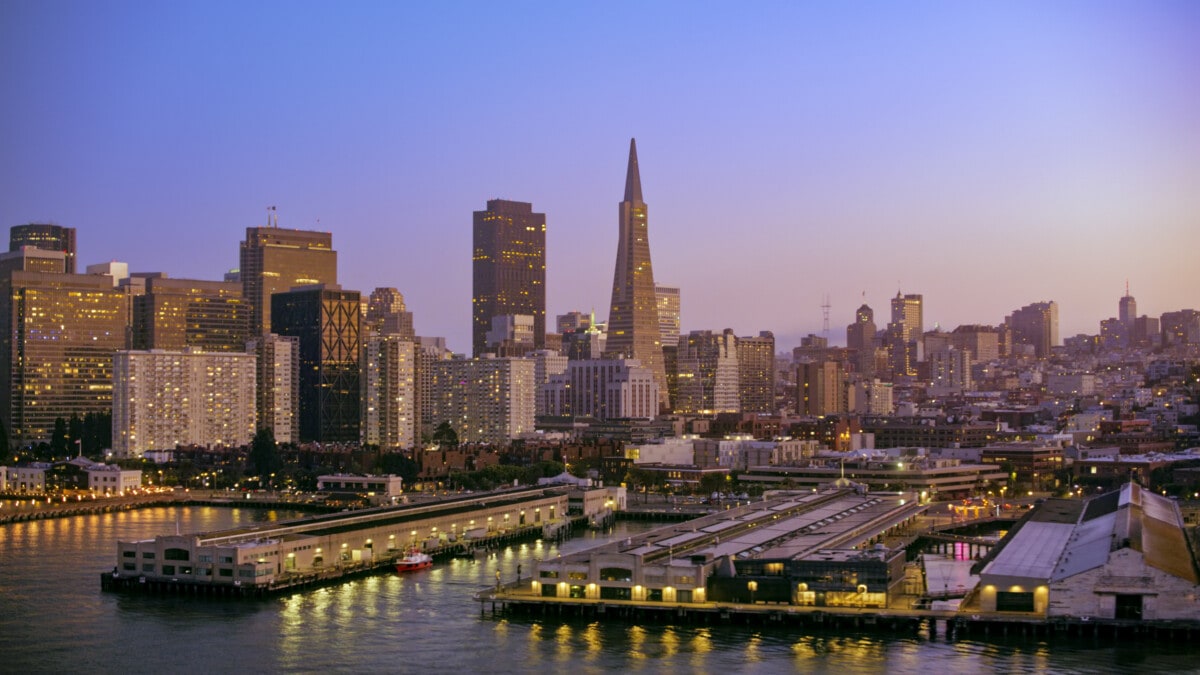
983 342
508 269
58 333
387 314
633 328
47 238
668 313
326 319
1127 308
1181 327
756 373
1035 325
907 313
162 399
275 260
950 370
820 388
860 336
277 385
904 334
573 321
708 372
176 313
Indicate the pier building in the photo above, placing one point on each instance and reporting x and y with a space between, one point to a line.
799 548
1124 555
277 555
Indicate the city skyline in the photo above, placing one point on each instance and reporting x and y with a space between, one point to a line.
1035 153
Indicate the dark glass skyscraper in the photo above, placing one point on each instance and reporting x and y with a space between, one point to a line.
508 269
633 329
46 237
326 320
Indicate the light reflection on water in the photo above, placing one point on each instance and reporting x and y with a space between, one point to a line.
53 617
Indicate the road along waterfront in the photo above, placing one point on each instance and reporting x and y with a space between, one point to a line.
54 619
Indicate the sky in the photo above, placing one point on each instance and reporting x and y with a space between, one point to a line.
986 155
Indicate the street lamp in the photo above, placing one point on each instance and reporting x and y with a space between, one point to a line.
752 586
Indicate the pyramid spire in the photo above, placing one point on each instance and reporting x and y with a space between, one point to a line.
633 179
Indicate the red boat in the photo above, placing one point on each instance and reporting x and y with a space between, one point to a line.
415 560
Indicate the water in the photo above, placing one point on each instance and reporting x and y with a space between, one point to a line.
53 618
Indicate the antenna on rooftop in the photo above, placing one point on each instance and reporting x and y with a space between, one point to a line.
825 307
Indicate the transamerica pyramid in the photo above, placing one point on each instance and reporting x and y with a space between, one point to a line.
633 330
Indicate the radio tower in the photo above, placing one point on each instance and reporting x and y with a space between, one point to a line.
825 307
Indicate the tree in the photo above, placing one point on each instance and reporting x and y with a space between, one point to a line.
75 434
264 453
58 441
445 435
399 465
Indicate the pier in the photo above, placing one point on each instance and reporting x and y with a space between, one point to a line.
316 550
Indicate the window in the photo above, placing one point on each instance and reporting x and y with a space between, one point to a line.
176 554
1014 602
227 559
148 567
616 574
225 572
129 567
205 558
168 569
129 554
548 574
148 554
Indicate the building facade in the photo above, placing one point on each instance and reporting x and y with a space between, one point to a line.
325 319
58 334
1035 325
46 237
163 399
667 298
707 369
275 260
173 314
633 318
487 400
756 373
603 389
277 385
508 269
389 396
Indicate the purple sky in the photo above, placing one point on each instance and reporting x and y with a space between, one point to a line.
986 155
